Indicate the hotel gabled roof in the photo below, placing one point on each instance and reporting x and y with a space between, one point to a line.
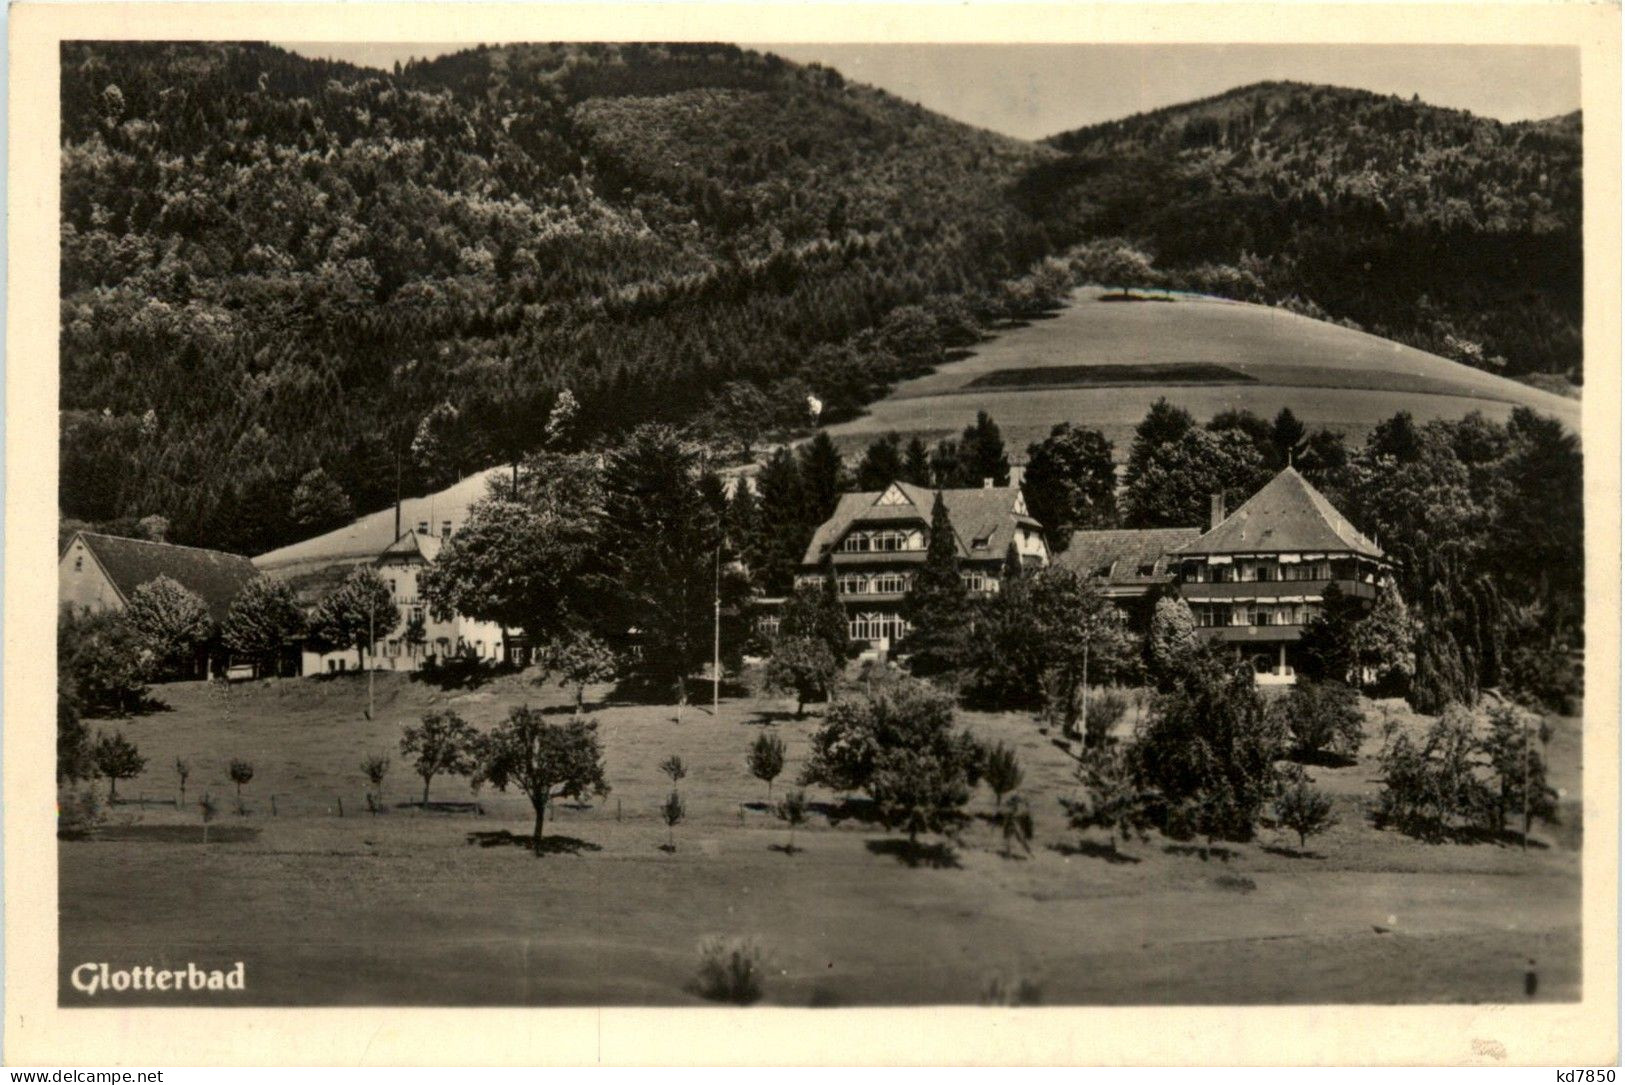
214 575
987 512
1118 556
1287 515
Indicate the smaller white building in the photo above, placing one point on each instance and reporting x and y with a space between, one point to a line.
317 565
403 648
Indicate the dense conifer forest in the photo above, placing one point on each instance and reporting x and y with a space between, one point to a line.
273 265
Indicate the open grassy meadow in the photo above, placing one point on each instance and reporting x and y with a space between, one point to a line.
449 907
1330 376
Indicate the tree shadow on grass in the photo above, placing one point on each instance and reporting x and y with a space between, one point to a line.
551 845
1325 759
1222 854
1432 833
787 849
847 809
444 806
1290 853
644 689
461 673
1127 296
936 856
767 717
1095 850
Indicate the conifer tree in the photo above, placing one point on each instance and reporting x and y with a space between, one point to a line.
916 463
1163 424
1288 436
937 604
981 453
823 477
882 464
781 537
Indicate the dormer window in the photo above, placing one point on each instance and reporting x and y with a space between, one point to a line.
981 542
445 529
423 527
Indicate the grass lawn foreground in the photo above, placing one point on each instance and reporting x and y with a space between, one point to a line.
448 907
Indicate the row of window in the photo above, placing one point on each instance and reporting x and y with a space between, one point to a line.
442 646
1247 572
897 583
888 541
445 528
1218 615
873 583
872 627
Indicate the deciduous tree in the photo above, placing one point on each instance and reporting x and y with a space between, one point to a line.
357 614
172 620
802 666
545 760
578 659
263 619
1070 483
443 743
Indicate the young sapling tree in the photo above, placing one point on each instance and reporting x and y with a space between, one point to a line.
673 811
1304 810
210 809
674 768
766 759
792 810
1015 820
443 743
116 758
241 772
1003 773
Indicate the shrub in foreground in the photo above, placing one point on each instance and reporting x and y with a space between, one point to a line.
731 970
1304 810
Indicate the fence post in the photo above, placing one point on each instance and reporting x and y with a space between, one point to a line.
341 805
273 806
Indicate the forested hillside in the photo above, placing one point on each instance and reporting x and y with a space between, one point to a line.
1448 231
272 264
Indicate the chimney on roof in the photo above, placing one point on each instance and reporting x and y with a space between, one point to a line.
987 484
1015 474
1215 512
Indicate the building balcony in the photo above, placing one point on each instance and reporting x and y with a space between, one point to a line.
1250 634
866 598
1265 590
879 558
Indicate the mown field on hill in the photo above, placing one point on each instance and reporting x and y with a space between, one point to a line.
439 908
1330 376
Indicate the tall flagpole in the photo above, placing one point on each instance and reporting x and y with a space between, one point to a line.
717 639
371 644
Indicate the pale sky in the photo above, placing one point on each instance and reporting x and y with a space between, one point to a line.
1032 91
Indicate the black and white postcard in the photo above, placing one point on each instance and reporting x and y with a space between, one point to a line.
814 516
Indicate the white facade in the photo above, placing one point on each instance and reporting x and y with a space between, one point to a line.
400 567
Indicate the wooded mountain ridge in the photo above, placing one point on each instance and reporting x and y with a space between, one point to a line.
273 264
1451 232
